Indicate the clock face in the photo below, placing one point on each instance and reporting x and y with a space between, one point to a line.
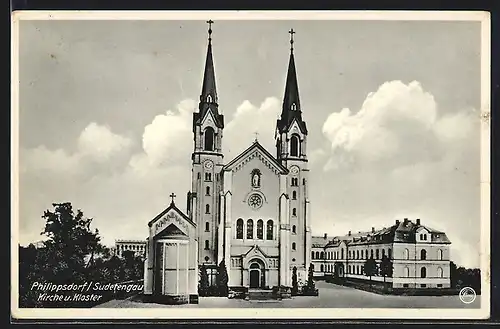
209 164
255 201
294 170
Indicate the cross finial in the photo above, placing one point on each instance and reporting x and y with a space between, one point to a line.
210 22
172 196
256 136
292 32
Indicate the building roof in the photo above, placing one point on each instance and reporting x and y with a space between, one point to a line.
291 110
257 146
174 207
208 97
402 231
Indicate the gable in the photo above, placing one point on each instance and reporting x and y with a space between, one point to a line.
255 251
171 216
172 230
295 128
208 120
256 151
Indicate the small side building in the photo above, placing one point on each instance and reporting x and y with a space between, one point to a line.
171 265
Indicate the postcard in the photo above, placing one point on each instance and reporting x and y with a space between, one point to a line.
250 165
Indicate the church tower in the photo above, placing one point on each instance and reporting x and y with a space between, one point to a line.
207 158
291 147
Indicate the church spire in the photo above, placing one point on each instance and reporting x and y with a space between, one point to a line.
291 101
208 90
208 96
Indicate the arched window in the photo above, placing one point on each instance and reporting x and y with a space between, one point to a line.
440 272
423 272
208 176
317 254
207 192
260 229
371 253
294 195
389 253
207 226
294 146
312 265
239 228
250 229
321 268
406 272
423 254
209 139
342 253
207 209
269 230
294 229
209 99
440 254
294 246
406 254
294 212
207 244
303 181
357 254
312 254
362 254
383 253
322 255
377 254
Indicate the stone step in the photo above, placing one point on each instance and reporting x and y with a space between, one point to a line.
260 294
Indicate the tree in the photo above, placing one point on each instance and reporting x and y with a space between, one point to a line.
310 278
203 283
386 267
295 286
71 243
370 268
222 279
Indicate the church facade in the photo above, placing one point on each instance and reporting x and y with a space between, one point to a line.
251 213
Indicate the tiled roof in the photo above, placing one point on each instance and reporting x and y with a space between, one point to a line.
401 231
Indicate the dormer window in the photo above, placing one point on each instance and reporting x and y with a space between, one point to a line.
294 107
209 99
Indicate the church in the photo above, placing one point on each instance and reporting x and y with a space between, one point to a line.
252 212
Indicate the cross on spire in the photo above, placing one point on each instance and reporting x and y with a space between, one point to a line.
210 22
172 196
292 32
256 135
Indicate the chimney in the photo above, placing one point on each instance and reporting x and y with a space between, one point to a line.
349 234
418 221
397 221
325 236
373 229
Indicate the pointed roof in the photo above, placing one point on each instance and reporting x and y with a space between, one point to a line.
256 146
208 97
291 101
209 87
170 207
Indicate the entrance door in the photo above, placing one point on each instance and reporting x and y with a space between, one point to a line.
254 278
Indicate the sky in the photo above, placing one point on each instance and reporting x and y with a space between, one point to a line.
392 109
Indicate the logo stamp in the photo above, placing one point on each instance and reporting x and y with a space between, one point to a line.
467 295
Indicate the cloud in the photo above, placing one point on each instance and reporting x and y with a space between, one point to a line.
399 122
399 156
248 120
100 143
167 139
